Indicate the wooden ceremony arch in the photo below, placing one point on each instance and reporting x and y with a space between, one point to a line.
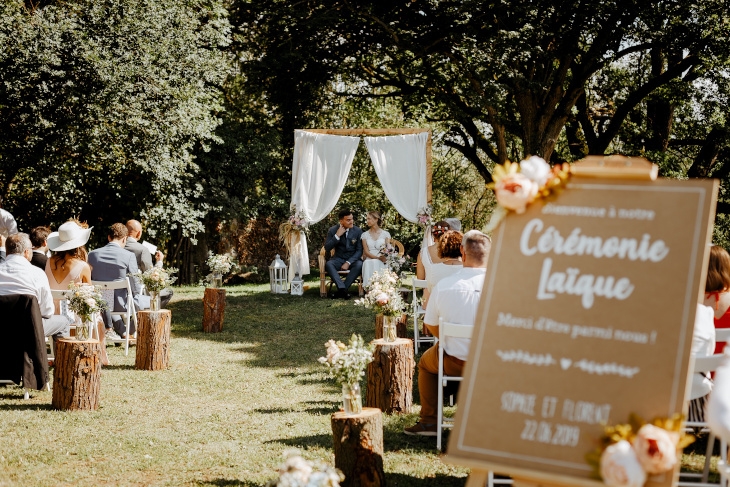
429 172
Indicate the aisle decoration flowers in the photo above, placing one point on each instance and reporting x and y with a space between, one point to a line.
220 265
289 230
425 216
347 363
629 453
155 280
383 294
85 300
516 185
298 472
394 261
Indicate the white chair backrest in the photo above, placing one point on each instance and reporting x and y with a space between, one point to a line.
722 334
421 284
707 363
454 330
60 293
120 284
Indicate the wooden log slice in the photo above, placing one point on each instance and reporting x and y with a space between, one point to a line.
153 340
402 326
77 375
390 376
358 445
214 306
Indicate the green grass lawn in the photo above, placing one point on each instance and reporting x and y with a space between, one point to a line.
223 414
225 411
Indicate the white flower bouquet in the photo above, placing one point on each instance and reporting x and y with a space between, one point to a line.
85 300
394 261
298 472
347 363
156 279
221 263
383 294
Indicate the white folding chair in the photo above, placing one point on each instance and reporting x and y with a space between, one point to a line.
451 330
128 315
706 363
418 312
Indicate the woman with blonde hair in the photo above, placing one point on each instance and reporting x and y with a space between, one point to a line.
373 243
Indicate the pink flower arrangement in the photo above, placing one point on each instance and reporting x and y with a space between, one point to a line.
515 192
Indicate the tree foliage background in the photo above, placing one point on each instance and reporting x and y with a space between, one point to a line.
183 113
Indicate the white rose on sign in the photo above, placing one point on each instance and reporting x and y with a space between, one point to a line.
620 467
536 169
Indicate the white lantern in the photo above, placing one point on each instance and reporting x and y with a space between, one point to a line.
278 276
297 285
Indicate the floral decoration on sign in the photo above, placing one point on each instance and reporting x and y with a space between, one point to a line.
516 185
156 279
629 453
383 294
425 218
298 472
85 300
346 363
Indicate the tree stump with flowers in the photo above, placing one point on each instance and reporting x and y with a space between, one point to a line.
401 326
390 376
153 340
358 445
214 307
77 377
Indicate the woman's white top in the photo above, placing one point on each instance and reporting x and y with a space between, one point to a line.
438 272
703 343
375 245
718 409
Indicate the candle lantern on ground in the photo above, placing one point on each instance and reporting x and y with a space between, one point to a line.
297 285
277 276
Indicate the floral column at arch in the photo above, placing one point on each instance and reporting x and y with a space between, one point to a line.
320 168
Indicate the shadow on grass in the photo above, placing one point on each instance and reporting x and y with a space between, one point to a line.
226 482
440 480
279 330
118 367
21 406
322 441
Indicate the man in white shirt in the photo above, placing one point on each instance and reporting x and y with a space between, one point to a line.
19 276
8 226
455 299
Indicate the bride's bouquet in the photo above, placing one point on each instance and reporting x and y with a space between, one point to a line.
383 294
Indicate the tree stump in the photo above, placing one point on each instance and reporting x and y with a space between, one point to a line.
77 376
214 305
390 376
358 442
153 340
401 327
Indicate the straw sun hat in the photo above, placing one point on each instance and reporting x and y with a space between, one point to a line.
69 236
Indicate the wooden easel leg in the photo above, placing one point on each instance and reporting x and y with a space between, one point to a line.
477 478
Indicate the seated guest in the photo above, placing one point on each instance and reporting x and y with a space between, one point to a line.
68 264
703 343
8 226
38 238
717 289
449 252
429 255
455 299
19 276
113 263
345 238
144 257
2 248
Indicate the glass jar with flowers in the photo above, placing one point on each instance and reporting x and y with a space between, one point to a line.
85 300
386 299
347 363
155 280
220 265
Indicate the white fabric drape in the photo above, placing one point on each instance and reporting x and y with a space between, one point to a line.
400 163
321 165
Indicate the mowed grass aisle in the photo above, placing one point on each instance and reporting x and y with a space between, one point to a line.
224 412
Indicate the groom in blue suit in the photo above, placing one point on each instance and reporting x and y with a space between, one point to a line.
345 238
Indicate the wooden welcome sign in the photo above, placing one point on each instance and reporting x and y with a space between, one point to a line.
586 317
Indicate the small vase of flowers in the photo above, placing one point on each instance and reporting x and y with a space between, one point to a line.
347 363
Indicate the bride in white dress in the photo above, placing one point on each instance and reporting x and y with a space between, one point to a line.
373 241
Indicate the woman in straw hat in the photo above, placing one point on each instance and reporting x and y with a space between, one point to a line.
68 263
